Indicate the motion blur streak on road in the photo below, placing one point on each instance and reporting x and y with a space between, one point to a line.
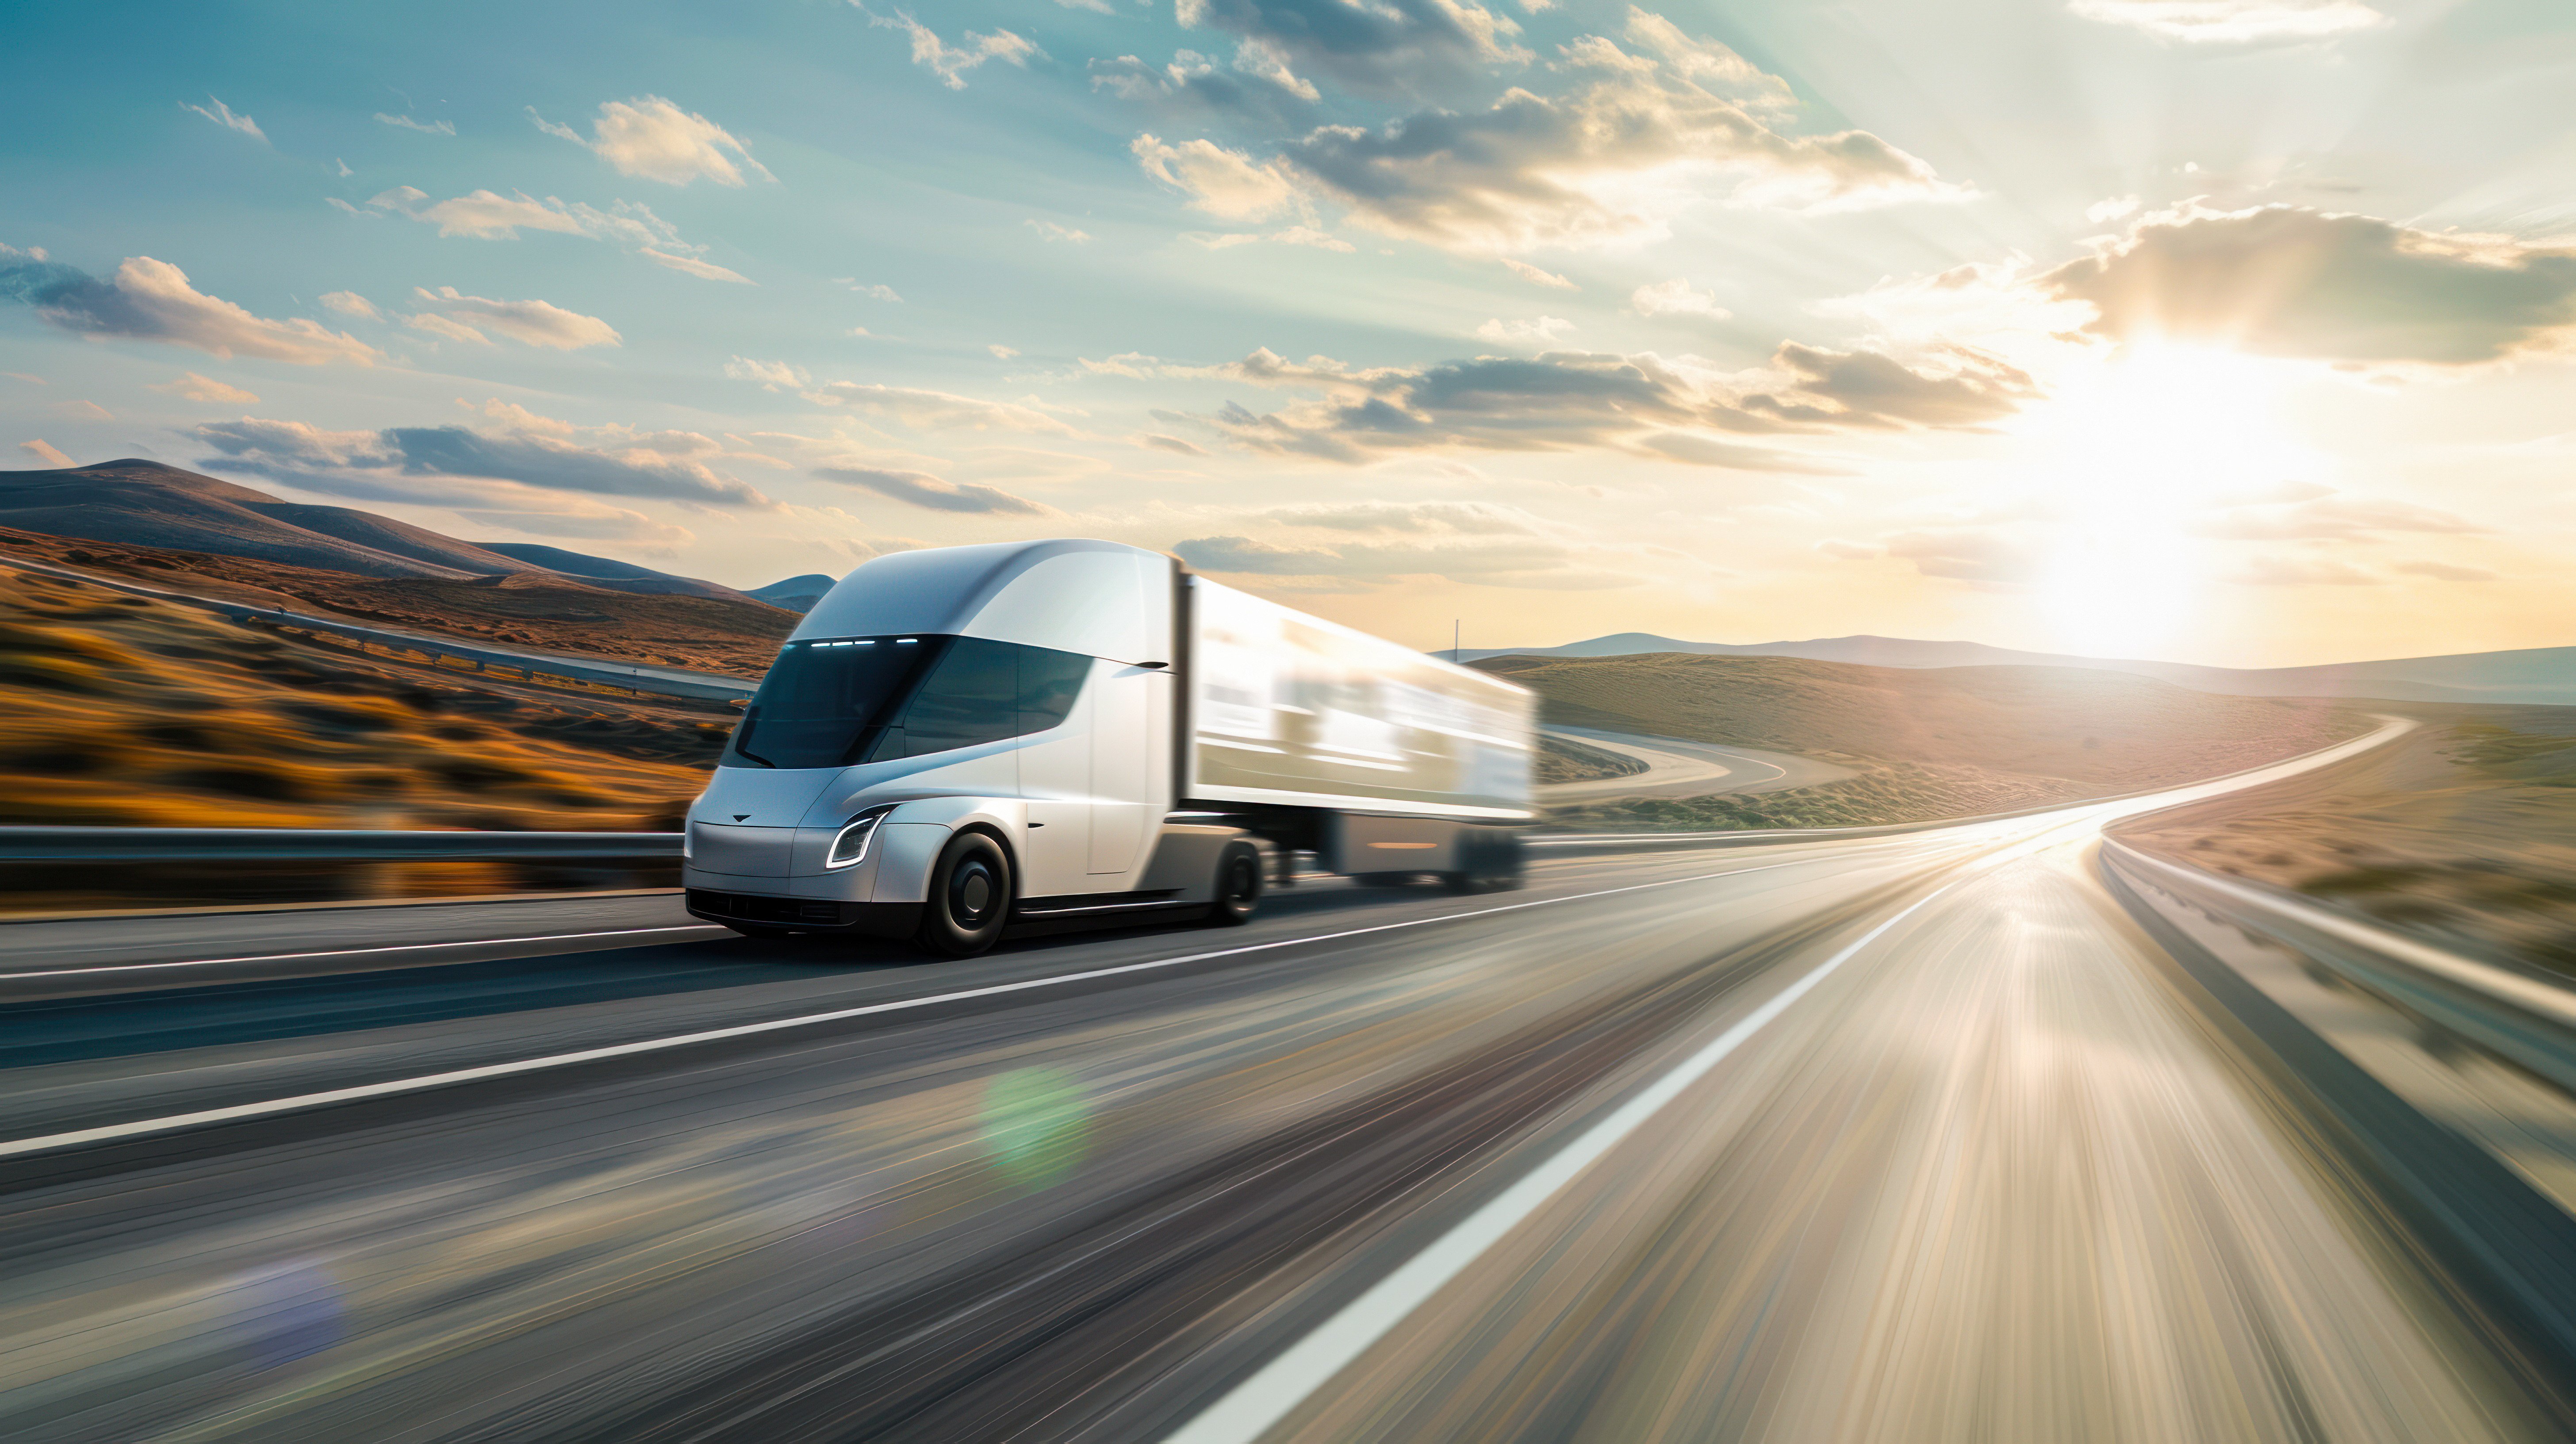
1991 1179
1990 1182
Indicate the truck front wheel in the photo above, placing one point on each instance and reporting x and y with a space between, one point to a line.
970 897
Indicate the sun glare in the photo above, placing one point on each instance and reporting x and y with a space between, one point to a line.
2131 454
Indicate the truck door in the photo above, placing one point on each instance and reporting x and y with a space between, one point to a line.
1055 771
1131 724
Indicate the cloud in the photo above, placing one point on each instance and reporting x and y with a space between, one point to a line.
920 488
2277 571
652 138
1985 555
1224 183
1528 562
45 451
1050 231
1464 518
151 300
882 293
1537 277
951 62
224 115
206 389
1676 297
1256 88
484 215
1386 46
1851 551
1697 450
1611 159
1560 400
2447 571
350 303
2329 518
82 411
306 456
590 524
1707 62
534 323
437 325
2286 281
1309 236
1002 352
693 266
2115 208
1543 331
1173 444
2234 22
936 410
405 122
772 375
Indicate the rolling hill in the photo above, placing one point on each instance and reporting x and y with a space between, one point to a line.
2539 675
1928 742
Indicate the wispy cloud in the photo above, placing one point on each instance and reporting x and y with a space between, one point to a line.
304 455
207 389
486 215
1050 231
45 451
405 122
225 116
951 62
657 140
771 375
920 488
534 323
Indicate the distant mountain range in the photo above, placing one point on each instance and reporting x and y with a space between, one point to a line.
145 503
2544 675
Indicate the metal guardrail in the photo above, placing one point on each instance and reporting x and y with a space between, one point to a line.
2520 1015
281 844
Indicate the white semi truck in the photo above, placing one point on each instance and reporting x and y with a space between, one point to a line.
1045 734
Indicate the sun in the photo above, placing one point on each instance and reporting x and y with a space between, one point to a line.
2131 454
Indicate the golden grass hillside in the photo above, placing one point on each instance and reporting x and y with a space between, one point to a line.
528 609
1928 743
118 710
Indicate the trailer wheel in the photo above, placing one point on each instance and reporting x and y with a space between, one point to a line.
970 897
1238 887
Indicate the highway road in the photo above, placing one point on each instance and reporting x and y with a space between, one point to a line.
1909 1138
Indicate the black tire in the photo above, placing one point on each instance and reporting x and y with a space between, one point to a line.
1238 888
969 899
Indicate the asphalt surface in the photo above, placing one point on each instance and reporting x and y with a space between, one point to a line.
1678 768
1919 1138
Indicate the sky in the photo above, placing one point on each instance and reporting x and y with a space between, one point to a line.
2223 331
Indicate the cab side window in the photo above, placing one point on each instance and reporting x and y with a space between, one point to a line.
1050 683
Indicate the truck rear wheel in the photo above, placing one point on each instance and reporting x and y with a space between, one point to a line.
1238 887
970 897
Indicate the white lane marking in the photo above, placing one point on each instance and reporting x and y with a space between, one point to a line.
361 952
1251 1407
146 1126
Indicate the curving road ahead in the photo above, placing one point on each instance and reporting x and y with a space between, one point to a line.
1917 1138
1678 768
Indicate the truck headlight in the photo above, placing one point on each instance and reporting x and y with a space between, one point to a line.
850 844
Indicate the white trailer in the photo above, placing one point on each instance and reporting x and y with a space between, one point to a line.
1036 734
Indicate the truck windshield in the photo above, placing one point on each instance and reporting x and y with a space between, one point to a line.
835 701
824 701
